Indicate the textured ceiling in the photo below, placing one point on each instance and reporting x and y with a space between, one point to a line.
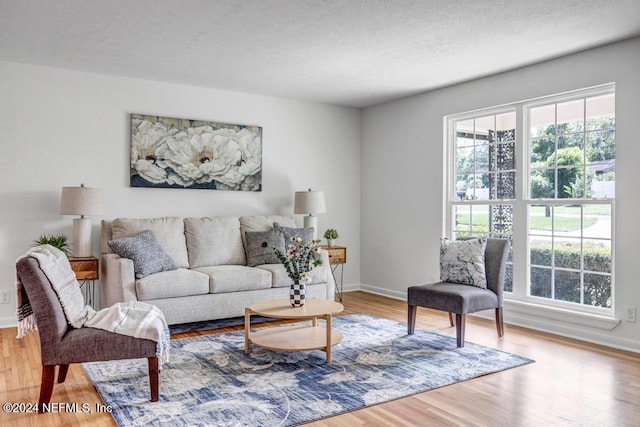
347 52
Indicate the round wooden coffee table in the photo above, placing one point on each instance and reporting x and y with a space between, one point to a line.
297 337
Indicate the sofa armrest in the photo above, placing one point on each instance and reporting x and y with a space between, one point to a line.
331 283
118 280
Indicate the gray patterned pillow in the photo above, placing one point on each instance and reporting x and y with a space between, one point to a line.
462 261
306 234
260 246
145 252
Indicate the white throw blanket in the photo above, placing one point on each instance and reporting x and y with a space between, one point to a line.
134 319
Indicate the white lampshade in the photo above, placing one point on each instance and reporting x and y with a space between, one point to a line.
81 201
309 202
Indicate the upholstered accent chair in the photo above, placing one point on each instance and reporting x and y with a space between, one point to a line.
62 344
460 299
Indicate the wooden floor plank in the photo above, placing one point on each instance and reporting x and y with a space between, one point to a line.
571 383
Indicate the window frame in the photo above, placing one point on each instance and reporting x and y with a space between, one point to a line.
520 294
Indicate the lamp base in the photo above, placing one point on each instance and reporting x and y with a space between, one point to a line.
82 237
312 221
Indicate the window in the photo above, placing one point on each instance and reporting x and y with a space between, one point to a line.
560 152
484 153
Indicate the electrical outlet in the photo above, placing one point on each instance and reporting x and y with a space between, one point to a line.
630 314
4 297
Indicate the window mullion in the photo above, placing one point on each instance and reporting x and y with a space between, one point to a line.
520 225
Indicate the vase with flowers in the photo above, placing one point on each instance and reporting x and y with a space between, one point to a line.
298 261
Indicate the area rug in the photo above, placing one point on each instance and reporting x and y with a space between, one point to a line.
211 325
210 381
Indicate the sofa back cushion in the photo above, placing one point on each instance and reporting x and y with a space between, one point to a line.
169 232
214 241
263 223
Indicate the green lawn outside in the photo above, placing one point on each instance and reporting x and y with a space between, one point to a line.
588 210
537 222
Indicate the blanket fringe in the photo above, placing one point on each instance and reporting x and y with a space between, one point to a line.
162 347
26 325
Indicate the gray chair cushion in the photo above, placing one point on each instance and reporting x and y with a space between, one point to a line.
452 297
461 299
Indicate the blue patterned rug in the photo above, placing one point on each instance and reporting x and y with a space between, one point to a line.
211 325
210 381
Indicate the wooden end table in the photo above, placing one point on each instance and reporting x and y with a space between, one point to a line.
337 258
297 337
87 270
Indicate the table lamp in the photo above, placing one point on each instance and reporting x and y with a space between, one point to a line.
81 201
310 202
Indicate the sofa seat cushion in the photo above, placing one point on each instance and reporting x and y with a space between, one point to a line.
214 241
168 231
235 278
280 278
171 284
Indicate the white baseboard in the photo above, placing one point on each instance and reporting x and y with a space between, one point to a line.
8 322
549 325
383 291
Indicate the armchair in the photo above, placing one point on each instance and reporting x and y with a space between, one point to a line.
462 299
62 344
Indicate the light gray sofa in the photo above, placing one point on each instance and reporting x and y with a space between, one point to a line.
212 280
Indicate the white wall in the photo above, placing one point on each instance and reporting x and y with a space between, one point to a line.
62 128
402 177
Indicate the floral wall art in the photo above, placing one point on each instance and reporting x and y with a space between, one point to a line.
181 153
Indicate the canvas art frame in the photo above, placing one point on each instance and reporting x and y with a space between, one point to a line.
171 152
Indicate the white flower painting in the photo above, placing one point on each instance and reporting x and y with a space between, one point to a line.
181 153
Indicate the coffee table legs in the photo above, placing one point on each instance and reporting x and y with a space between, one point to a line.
328 328
247 329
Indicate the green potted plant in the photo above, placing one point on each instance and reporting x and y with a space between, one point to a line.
60 241
331 235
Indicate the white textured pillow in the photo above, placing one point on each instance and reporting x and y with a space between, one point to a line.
168 231
462 261
214 241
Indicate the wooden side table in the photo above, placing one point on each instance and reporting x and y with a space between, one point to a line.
337 258
87 270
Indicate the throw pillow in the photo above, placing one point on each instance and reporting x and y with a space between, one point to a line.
306 234
168 231
462 261
145 252
260 246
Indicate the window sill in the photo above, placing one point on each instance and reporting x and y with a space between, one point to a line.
561 315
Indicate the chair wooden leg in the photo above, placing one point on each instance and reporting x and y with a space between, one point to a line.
62 373
153 378
499 321
411 318
451 319
460 322
46 387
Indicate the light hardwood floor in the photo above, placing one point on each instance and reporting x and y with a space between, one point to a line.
571 382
